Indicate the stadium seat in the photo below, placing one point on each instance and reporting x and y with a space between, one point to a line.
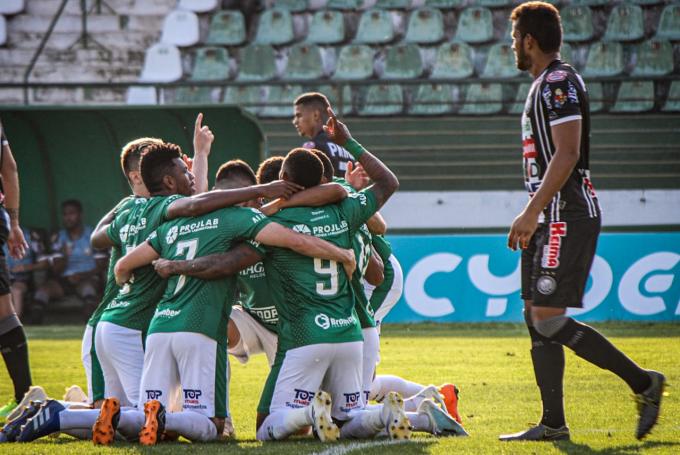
275 27
604 59
517 106
501 62
647 2
294 6
654 58
162 63
635 96
328 27
475 25
198 6
280 100
403 62
432 99
355 62
595 96
481 99
3 30
494 3
669 24
211 64
673 101
227 28
394 4
258 63
304 62
591 2
247 96
141 95
383 100
453 61
193 95
567 54
180 28
577 23
625 23
425 26
9 7
345 4
444 4
375 27
332 93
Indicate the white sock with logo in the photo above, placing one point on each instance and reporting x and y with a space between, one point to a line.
191 425
363 423
385 383
77 419
419 422
130 423
285 422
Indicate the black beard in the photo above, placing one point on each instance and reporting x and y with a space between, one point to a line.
523 63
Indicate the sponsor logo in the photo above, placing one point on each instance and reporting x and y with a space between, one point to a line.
171 236
117 304
167 313
331 229
556 76
360 196
551 251
322 321
326 322
153 394
546 285
191 399
339 151
560 98
352 401
309 145
254 271
123 233
302 229
302 398
268 314
547 96
199 226
131 229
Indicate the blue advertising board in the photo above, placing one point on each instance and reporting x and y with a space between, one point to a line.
476 278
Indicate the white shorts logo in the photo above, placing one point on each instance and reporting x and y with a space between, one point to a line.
546 285
322 321
171 235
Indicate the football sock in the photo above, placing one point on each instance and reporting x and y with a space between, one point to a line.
82 434
363 423
281 424
548 361
14 347
130 423
191 425
419 422
77 419
385 383
589 344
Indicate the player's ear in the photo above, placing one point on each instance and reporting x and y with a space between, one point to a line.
169 182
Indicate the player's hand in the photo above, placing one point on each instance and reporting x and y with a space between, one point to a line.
203 137
122 276
16 243
164 268
356 176
522 230
336 130
279 188
188 161
271 208
350 263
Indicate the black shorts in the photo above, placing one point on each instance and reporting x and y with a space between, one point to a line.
4 270
556 265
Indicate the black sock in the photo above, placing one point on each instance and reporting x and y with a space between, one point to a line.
14 349
591 345
548 359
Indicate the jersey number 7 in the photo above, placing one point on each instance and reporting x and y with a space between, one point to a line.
190 246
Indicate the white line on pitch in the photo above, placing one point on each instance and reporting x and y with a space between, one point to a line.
342 450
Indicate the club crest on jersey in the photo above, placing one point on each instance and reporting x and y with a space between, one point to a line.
322 321
572 96
556 76
551 251
560 98
302 229
546 285
123 233
171 236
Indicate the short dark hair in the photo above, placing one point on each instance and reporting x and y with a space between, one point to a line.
303 167
328 169
131 154
157 162
269 170
314 100
236 169
542 21
75 203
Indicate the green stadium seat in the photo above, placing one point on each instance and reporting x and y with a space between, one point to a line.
475 25
517 107
332 93
483 99
673 101
625 23
383 100
227 28
647 2
444 4
425 26
654 58
501 62
328 27
394 4
453 61
258 63
193 95
635 96
577 23
211 64
494 3
403 62
275 27
247 96
432 99
669 24
345 4
604 59
280 100
595 96
294 6
304 62
591 2
355 62
567 54
375 27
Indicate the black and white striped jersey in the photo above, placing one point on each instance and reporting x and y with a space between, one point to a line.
558 96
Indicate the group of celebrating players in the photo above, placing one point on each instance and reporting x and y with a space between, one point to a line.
289 261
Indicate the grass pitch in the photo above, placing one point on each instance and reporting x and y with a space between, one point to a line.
490 364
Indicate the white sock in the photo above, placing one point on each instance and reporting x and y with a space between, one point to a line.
385 383
419 422
82 434
130 423
363 423
411 404
191 425
74 404
283 423
77 419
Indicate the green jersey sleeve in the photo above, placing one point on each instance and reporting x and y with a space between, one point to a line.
154 240
357 208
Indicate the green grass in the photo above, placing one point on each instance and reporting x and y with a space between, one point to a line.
490 363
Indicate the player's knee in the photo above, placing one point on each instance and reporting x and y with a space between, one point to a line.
550 326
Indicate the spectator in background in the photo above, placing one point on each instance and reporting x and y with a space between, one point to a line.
22 276
75 266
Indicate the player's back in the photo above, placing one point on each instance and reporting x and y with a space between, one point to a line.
255 295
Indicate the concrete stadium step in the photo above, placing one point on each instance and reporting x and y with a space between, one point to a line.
131 7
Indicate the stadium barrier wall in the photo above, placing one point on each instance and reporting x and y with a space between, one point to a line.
65 153
476 278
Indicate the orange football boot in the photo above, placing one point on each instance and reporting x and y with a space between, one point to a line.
154 424
104 429
450 393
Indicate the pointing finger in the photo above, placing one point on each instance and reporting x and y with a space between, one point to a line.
199 120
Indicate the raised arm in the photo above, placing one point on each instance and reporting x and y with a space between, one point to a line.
142 255
211 267
316 196
203 139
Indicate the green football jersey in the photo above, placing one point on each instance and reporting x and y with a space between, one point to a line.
314 298
134 304
190 304
111 288
384 250
255 296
